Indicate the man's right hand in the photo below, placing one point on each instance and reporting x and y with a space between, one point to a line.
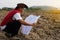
33 24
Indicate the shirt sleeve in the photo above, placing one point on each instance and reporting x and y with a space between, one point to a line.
17 16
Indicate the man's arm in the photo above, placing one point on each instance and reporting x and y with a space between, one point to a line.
25 23
18 17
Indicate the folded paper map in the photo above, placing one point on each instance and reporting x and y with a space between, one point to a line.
30 19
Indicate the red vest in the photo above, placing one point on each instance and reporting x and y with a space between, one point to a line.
8 18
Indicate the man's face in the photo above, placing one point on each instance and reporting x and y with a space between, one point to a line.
22 11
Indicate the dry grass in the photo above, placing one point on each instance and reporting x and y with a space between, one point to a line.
47 27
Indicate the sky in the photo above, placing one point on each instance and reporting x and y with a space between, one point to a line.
12 3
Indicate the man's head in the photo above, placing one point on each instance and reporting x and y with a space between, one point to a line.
21 6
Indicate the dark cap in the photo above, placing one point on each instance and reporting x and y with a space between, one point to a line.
22 5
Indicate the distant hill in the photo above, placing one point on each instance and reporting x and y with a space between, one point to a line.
44 7
6 8
35 7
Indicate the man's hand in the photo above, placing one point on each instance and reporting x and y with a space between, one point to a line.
33 24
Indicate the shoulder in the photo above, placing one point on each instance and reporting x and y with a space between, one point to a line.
18 13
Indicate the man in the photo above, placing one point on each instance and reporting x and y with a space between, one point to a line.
12 22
